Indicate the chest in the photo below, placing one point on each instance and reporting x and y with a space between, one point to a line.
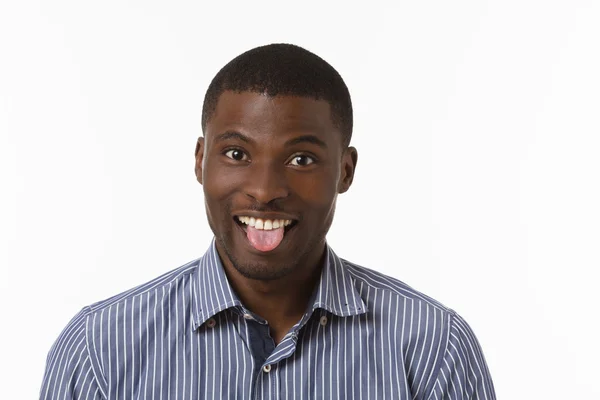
237 359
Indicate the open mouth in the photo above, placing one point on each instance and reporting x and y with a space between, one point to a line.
264 234
264 224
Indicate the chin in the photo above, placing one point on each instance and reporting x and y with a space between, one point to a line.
260 266
263 268
266 266
261 272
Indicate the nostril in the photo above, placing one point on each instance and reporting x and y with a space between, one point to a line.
266 196
265 188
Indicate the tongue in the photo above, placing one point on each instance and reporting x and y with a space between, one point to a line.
264 240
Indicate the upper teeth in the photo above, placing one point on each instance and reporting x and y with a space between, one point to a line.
264 224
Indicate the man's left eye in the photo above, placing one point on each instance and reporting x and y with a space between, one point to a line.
302 160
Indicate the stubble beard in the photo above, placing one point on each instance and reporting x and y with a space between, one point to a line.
262 271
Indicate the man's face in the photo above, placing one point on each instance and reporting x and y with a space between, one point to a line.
279 160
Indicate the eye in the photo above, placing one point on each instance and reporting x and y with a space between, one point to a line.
301 160
236 154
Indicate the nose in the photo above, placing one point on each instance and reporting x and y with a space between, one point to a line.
267 183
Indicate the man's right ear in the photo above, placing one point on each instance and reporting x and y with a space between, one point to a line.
199 154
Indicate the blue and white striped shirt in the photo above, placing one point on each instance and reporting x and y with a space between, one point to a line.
186 335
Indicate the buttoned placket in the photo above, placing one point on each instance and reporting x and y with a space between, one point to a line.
272 368
268 375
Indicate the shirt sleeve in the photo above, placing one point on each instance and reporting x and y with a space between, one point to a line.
69 373
463 374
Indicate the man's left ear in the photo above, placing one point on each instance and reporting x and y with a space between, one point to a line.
199 156
349 159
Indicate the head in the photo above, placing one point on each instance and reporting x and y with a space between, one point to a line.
277 123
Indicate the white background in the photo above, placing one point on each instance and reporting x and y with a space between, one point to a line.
477 127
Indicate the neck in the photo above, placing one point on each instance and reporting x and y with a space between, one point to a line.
282 301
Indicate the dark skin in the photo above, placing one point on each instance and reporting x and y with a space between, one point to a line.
275 158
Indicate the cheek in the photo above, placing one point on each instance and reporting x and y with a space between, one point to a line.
317 190
219 183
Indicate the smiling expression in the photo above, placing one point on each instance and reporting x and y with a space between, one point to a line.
272 166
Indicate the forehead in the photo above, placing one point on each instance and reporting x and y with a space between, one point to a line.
260 114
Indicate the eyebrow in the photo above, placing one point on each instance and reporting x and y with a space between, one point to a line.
306 139
232 135
297 140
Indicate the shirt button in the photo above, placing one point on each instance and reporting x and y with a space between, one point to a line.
323 320
211 323
248 316
267 368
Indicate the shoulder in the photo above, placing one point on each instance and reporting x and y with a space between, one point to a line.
168 281
438 347
69 372
366 279
75 352
162 297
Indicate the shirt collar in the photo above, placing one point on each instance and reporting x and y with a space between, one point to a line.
335 291
212 292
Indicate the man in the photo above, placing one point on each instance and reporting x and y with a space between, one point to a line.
270 311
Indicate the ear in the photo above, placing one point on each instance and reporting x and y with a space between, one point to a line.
348 166
199 154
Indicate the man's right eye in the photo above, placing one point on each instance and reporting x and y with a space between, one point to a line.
236 154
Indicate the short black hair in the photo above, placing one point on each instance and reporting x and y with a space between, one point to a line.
283 69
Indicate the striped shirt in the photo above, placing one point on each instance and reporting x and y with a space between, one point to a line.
186 335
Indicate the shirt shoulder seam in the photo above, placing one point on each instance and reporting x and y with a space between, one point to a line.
438 367
101 383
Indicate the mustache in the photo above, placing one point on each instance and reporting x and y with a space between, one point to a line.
257 207
271 207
